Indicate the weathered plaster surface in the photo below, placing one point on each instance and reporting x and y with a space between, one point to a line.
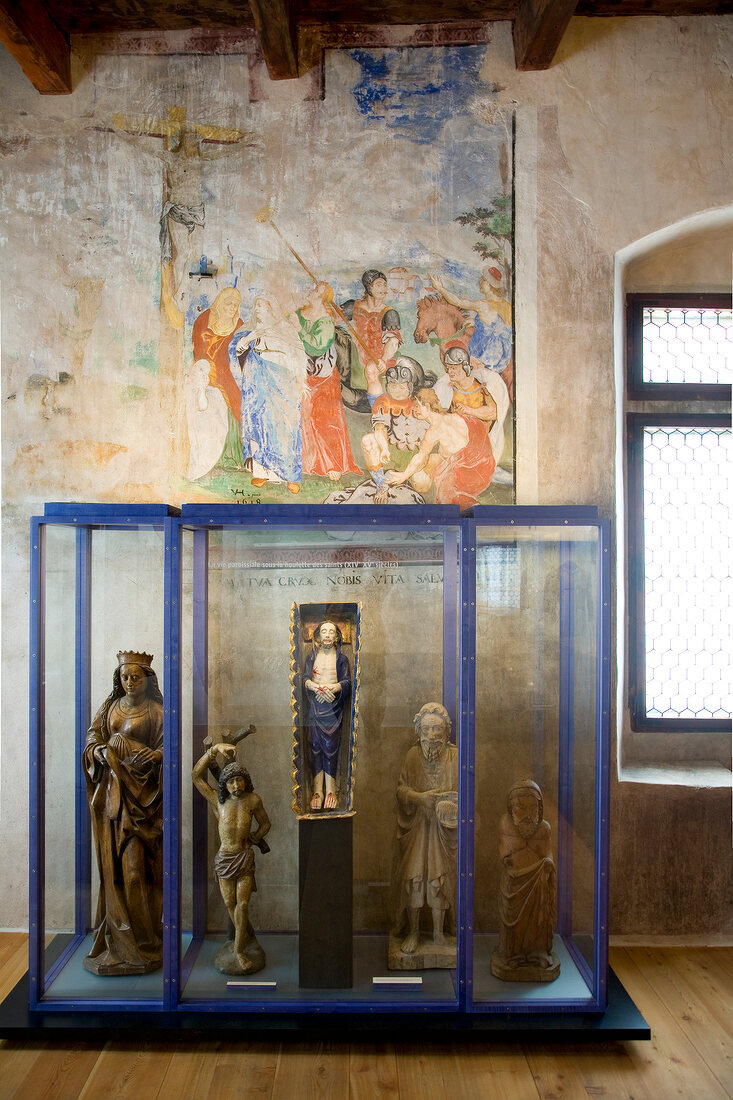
629 131
643 117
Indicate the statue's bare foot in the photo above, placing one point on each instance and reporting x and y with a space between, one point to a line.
246 965
439 938
331 802
410 943
316 800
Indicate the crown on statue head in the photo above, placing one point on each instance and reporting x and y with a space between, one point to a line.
130 657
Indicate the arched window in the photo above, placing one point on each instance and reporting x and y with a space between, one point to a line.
677 465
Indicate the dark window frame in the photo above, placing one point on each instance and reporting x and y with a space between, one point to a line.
636 388
655 404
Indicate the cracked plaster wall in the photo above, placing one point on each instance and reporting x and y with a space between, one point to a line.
628 132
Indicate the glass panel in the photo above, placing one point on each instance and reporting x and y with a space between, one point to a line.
60 764
396 609
536 688
123 598
687 571
691 346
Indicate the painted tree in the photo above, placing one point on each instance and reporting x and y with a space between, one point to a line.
494 225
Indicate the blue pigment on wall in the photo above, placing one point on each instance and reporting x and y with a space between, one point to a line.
415 91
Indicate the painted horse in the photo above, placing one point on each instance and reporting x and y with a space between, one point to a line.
447 322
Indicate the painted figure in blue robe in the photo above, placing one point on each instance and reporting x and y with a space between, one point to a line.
491 344
271 363
327 682
491 338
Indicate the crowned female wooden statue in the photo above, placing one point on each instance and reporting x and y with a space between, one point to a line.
122 762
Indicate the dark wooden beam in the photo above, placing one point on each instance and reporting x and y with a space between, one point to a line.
37 44
538 29
278 33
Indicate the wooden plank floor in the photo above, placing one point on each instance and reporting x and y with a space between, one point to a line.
685 994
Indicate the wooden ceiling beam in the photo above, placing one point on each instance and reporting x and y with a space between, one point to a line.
538 29
278 34
40 48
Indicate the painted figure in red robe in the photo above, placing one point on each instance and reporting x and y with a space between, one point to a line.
212 333
377 324
455 453
326 446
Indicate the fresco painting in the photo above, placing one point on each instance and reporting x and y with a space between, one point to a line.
250 290
315 363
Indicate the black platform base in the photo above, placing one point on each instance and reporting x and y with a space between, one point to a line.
621 1020
326 902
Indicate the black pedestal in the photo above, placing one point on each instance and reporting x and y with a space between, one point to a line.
326 904
622 1020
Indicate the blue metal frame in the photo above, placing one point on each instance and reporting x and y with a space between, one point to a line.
467 753
200 691
171 764
566 741
459 535
451 619
37 789
313 515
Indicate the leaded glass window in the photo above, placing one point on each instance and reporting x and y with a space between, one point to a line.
679 491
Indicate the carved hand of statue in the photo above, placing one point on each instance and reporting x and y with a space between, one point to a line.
428 800
446 809
148 756
227 751
523 858
328 691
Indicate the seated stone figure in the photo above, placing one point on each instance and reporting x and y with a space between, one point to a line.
527 892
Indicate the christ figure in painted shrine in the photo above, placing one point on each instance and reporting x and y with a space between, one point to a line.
327 682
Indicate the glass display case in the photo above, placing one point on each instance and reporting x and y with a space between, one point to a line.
99 575
539 761
263 593
313 813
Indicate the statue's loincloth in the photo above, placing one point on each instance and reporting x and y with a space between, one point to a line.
235 864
